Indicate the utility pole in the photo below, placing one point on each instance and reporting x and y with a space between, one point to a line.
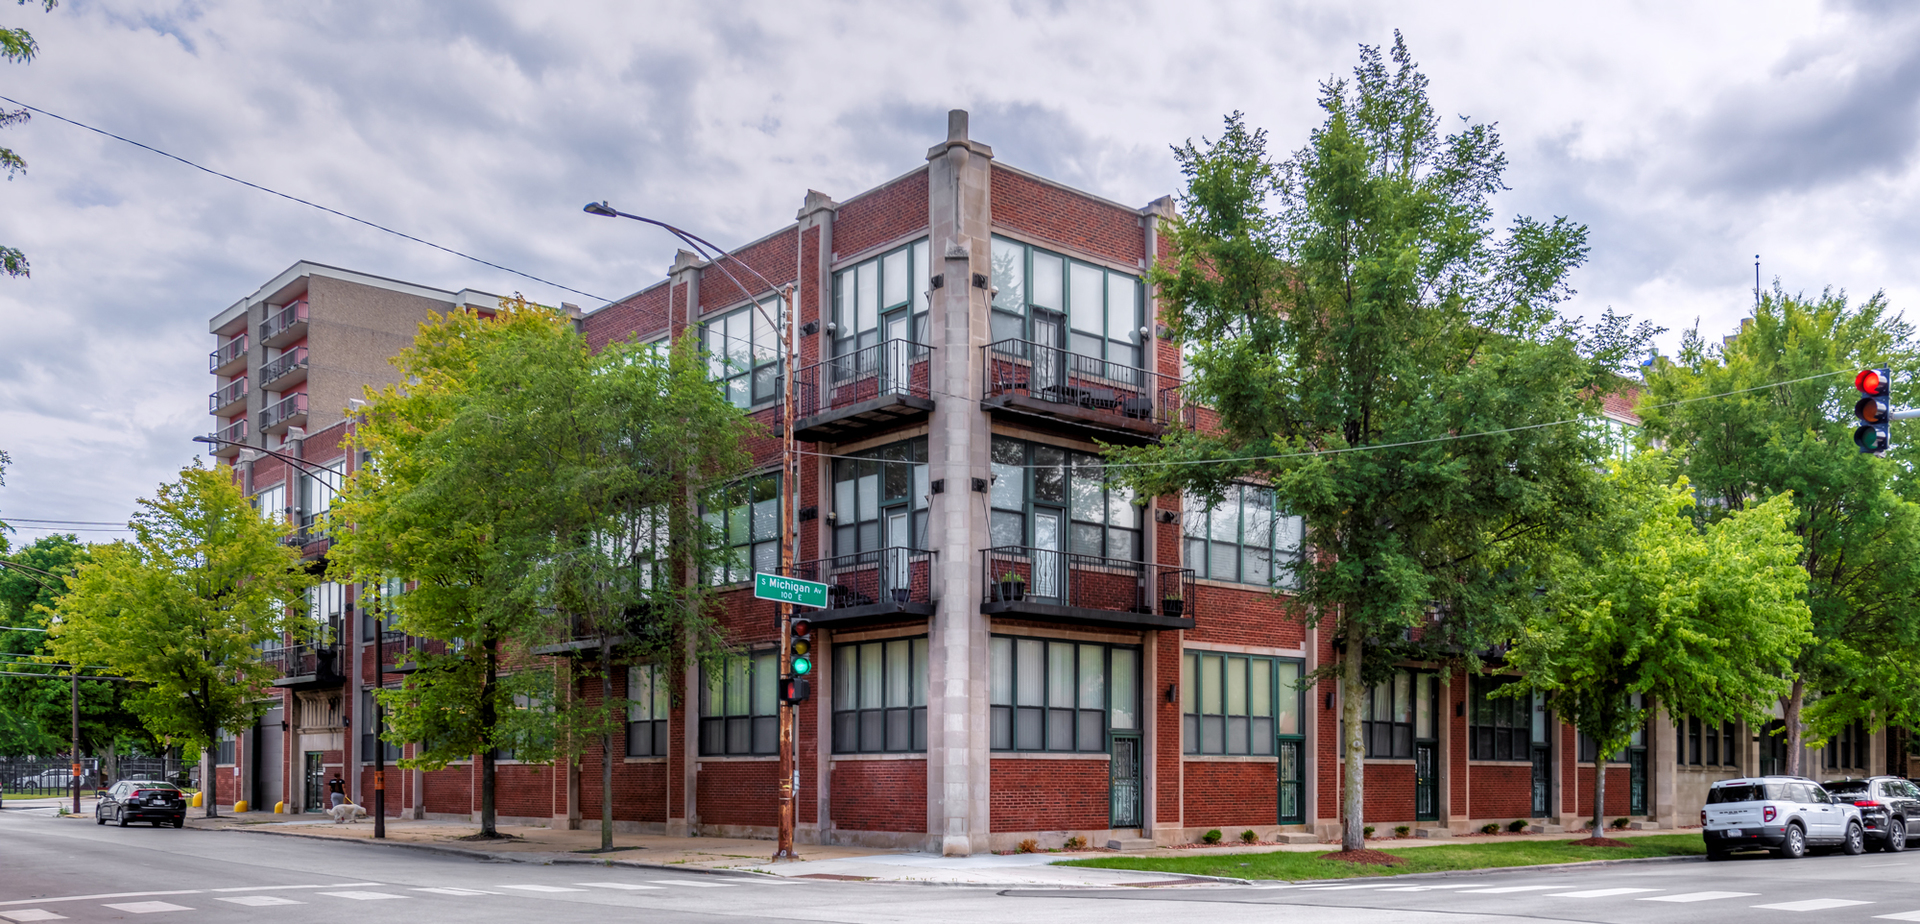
76 739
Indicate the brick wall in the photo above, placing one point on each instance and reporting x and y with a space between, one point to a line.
774 257
643 313
1073 221
1231 794
1389 797
1501 791
1167 731
879 795
526 790
739 793
1049 795
450 790
1245 617
886 214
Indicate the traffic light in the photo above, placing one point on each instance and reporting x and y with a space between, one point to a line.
800 631
795 690
1874 409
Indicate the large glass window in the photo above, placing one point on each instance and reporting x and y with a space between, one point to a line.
1585 746
739 706
1503 727
1246 538
1040 295
1102 520
271 501
370 729
326 603
884 298
1705 744
1238 704
377 617
750 529
743 352
880 696
1061 696
649 700
1399 711
880 499
1847 749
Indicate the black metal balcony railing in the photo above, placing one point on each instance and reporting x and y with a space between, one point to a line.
227 394
887 578
1084 388
882 385
230 352
283 321
305 662
1027 575
280 366
283 411
311 528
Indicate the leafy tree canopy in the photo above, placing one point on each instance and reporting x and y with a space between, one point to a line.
18 46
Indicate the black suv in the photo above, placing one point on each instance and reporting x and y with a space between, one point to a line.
1889 808
141 800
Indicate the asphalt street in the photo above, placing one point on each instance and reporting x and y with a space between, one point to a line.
52 870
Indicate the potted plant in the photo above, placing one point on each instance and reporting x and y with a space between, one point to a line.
1173 606
900 594
1013 586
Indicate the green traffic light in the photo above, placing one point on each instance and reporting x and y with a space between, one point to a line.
801 665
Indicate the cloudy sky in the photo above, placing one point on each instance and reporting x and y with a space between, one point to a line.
1688 136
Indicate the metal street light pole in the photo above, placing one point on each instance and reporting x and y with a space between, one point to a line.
789 491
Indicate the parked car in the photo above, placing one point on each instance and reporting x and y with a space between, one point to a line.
1889 808
56 778
141 800
1784 814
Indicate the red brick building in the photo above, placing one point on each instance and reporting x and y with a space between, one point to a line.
1012 649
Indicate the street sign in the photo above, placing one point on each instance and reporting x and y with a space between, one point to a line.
789 590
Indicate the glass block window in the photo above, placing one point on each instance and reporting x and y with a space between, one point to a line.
880 696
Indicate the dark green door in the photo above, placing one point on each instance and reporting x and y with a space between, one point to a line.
1426 783
1124 783
1542 770
315 782
1292 809
1636 781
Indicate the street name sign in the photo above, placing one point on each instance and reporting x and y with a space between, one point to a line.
789 590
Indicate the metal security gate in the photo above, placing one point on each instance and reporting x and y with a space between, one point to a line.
1636 781
315 779
1124 789
1426 784
1292 808
268 773
1542 774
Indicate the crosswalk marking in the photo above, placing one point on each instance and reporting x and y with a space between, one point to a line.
1501 890
32 914
617 885
541 888
259 901
1902 916
439 891
1337 888
147 907
1598 893
1427 888
364 896
1698 896
698 884
1813 904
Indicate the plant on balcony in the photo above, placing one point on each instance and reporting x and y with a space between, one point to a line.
1173 607
1013 586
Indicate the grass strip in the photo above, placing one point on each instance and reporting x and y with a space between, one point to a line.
1297 865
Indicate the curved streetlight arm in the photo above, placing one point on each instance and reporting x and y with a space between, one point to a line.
300 464
695 241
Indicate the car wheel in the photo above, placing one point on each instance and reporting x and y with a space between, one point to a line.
1896 839
121 817
180 822
1856 842
1795 846
98 818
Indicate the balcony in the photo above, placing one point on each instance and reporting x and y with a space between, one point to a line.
1065 587
310 529
290 411
873 586
583 638
285 326
306 666
1084 395
882 386
228 399
286 369
230 358
231 435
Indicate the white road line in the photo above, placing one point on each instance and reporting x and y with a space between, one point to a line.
1599 893
1502 890
88 898
31 914
363 896
1698 896
1427 888
330 885
541 888
147 907
617 885
259 901
456 891
696 883
1338 888
1813 904
1902 916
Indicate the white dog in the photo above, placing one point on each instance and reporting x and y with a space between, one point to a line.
346 812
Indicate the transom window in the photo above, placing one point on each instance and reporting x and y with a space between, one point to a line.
1705 744
649 700
880 499
1238 704
1061 696
743 352
750 529
1064 303
739 706
884 298
880 696
1398 712
1245 538
1036 485
1503 727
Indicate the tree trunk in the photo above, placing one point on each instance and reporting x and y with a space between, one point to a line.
1599 793
1790 709
1353 835
606 745
488 717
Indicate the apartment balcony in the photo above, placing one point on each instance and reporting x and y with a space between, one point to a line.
882 386
228 438
229 399
288 368
1064 587
230 358
306 666
583 637
1081 395
290 411
873 586
309 529
285 326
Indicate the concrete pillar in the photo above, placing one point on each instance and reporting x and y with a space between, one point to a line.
1662 759
683 810
813 302
959 759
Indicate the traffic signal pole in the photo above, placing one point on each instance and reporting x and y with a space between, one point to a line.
789 494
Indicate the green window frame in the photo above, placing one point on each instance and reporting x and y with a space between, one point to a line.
1104 309
1052 695
1244 539
1847 749
1504 727
749 530
1103 521
873 484
1400 711
744 350
739 706
865 292
880 696
1585 746
649 703
1240 704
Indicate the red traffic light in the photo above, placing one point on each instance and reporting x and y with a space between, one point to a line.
801 627
1874 410
1872 382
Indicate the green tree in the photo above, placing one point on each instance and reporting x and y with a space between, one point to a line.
1348 313
18 46
1703 621
1785 427
185 608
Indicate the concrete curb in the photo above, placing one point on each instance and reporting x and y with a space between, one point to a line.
1446 874
535 857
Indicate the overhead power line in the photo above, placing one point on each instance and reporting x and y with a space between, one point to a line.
65 522
309 204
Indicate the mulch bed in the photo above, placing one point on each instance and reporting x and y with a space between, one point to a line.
1598 842
1367 856
490 837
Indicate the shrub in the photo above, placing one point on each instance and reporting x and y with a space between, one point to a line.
1028 846
1366 831
1211 837
1491 827
1620 822
1401 830
1076 842
1249 837
1517 825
